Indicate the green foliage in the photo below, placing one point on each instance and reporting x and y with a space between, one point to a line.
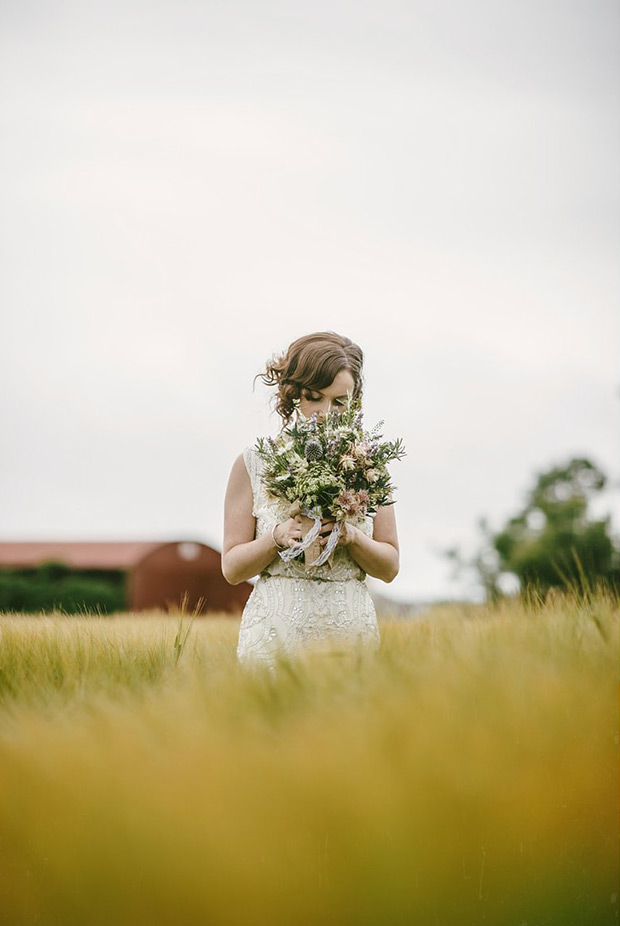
552 542
54 585
333 464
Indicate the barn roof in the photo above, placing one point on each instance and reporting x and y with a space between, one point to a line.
108 554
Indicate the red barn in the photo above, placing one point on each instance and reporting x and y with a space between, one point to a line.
165 575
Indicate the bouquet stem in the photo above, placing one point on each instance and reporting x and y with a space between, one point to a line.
315 549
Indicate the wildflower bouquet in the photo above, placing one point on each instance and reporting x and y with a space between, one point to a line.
328 469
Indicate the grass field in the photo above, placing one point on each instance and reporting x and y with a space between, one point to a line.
466 773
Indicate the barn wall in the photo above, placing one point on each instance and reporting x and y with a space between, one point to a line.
162 578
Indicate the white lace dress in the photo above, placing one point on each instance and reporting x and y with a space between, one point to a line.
291 608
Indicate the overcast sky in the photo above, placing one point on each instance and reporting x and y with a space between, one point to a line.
189 186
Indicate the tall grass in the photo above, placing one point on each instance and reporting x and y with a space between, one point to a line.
465 773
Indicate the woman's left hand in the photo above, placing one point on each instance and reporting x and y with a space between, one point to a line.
347 532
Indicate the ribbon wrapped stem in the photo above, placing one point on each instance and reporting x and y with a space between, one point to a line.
330 546
315 515
310 539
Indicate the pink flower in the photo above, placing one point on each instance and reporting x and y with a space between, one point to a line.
363 497
348 502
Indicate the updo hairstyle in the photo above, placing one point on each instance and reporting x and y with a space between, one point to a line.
311 362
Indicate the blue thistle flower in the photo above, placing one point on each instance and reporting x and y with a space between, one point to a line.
313 450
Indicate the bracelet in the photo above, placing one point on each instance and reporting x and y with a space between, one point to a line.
273 537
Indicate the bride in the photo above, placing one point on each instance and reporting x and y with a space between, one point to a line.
292 609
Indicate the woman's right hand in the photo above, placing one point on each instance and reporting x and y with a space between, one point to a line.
288 532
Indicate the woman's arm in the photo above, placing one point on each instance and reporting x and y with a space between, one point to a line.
377 555
242 555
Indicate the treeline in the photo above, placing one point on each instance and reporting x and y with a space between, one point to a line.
56 586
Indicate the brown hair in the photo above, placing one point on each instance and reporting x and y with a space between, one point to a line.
312 362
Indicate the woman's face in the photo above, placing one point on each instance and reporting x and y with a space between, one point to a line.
329 398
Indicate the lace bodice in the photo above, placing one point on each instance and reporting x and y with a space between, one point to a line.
269 511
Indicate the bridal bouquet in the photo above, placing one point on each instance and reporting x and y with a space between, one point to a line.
328 469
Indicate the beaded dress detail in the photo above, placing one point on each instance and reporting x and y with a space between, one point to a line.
291 607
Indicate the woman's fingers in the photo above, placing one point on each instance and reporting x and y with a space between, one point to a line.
291 532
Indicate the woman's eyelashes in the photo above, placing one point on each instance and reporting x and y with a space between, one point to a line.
311 398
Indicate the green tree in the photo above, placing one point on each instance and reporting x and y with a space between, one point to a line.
552 541
56 585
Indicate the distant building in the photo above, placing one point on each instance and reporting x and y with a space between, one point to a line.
164 575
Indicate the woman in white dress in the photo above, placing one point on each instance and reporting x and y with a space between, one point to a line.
292 608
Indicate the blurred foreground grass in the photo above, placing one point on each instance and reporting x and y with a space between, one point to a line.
466 773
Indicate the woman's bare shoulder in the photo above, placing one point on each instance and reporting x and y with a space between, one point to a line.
239 469
239 489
